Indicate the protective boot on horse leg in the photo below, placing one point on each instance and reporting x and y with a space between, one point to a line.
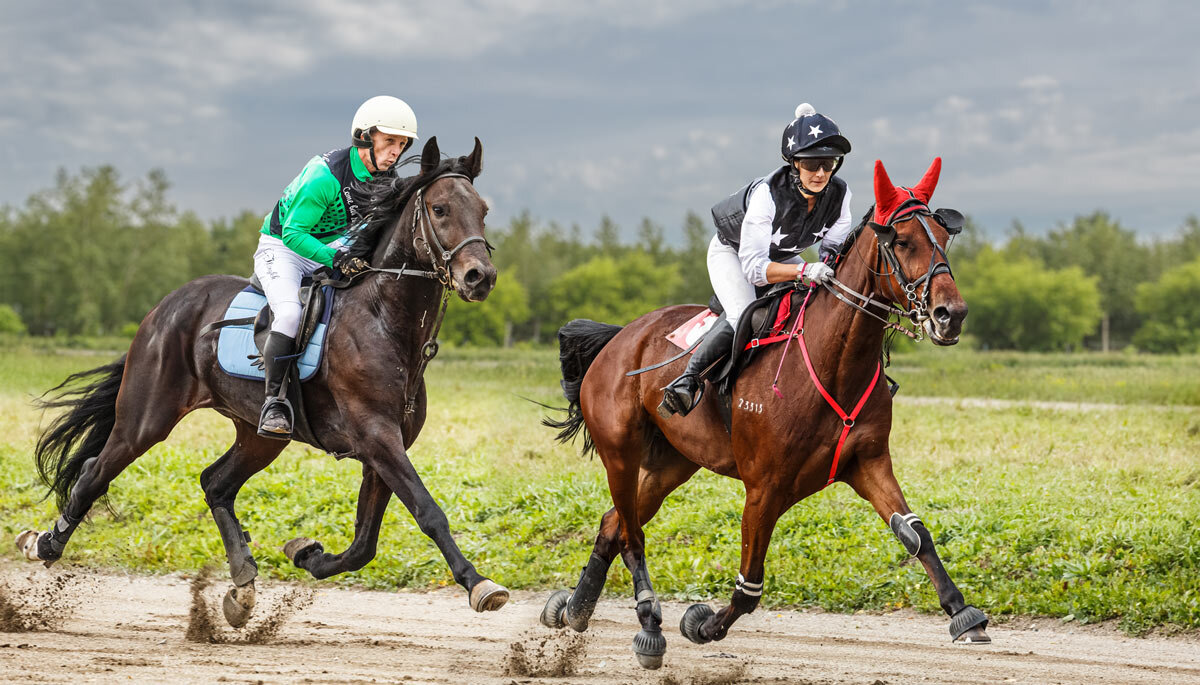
683 394
275 421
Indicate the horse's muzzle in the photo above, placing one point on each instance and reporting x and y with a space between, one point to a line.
944 324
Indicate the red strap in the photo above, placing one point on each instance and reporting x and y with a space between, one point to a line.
847 419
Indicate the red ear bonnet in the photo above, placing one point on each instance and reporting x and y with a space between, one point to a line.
889 197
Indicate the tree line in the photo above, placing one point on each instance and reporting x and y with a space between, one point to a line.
92 254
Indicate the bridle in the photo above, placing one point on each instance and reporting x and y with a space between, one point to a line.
917 292
424 235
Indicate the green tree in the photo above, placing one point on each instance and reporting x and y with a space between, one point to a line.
492 321
10 321
1018 303
1101 247
1172 320
694 284
604 289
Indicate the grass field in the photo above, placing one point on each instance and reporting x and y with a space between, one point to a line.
1082 515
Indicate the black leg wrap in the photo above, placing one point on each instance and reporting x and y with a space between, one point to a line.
649 644
744 604
242 568
905 529
967 618
587 592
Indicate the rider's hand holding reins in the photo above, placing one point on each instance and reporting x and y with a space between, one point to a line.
349 266
813 272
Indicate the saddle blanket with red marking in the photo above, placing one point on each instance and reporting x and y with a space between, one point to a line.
693 329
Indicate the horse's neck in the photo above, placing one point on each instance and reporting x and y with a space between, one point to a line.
843 343
405 306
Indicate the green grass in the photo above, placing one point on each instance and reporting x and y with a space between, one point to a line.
1087 515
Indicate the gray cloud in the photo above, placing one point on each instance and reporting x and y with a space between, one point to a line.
1041 110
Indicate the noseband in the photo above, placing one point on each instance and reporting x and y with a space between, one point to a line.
424 235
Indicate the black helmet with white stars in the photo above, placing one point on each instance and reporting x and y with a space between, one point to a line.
813 135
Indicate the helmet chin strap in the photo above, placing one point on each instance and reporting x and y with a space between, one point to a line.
805 191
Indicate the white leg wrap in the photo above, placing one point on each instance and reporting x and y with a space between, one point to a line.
747 588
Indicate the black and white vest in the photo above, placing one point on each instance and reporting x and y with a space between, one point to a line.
799 227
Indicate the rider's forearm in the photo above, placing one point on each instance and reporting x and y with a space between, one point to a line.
778 273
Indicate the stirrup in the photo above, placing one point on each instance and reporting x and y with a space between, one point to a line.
673 404
272 403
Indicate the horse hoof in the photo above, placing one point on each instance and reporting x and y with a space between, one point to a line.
554 613
649 648
968 625
488 596
693 618
27 544
238 605
299 547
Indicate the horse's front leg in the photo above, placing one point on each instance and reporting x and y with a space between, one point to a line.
310 555
764 506
390 461
874 481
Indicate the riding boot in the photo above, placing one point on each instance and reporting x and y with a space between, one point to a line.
683 394
275 421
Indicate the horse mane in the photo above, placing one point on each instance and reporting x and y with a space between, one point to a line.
383 201
853 236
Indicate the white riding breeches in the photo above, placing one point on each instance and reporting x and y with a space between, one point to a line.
280 271
729 280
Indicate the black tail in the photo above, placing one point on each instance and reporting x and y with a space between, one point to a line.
92 411
578 344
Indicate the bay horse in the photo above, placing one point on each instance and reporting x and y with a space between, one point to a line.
783 447
367 399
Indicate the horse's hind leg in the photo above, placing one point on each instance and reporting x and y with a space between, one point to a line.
143 414
874 481
659 476
310 555
221 482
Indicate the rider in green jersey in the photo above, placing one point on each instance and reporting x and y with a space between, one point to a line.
307 230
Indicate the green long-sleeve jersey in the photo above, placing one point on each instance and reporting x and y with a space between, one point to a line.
317 206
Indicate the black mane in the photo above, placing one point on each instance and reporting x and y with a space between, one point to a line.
383 201
849 241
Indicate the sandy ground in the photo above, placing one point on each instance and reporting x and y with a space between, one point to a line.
110 628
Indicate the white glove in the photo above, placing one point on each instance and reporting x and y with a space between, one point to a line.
814 272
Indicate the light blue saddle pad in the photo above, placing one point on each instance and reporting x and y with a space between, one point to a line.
236 343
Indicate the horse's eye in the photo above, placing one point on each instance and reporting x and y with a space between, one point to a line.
901 243
439 210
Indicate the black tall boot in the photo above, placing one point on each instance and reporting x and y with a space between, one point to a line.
682 394
275 421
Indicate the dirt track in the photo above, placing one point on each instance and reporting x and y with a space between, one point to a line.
133 629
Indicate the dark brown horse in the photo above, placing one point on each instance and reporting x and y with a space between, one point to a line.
355 404
782 449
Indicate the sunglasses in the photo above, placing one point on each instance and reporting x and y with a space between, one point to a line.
814 164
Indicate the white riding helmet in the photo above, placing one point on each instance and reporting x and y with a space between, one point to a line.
385 114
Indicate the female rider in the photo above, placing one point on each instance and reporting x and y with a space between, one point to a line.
307 230
761 231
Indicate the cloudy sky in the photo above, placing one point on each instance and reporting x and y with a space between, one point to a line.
1041 110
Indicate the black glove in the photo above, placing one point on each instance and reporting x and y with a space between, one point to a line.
349 266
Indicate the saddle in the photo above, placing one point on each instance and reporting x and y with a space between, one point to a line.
311 315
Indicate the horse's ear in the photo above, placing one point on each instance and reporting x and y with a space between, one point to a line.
430 156
885 193
924 189
475 160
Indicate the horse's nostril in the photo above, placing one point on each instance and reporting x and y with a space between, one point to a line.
473 277
942 315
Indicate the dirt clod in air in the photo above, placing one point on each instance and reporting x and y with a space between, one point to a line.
206 623
540 655
37 603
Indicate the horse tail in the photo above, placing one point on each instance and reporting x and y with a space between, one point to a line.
578 344
79 434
